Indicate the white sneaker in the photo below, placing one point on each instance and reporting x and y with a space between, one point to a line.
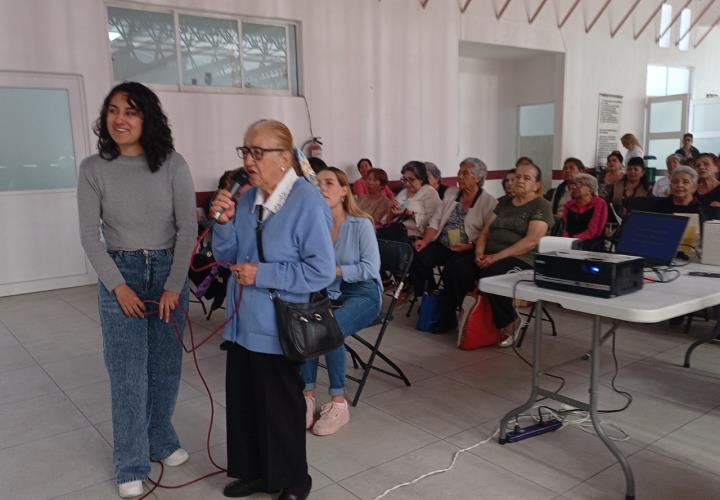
178 457
131 489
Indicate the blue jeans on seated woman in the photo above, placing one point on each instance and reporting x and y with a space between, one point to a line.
361 305
143 358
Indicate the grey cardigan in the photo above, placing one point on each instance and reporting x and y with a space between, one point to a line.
475 219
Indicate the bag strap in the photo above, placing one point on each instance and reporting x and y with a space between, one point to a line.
258 232
258 240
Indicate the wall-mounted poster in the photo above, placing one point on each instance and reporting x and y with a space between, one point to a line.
608 128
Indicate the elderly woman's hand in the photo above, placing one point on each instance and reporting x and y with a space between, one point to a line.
486 260
244 273
222 201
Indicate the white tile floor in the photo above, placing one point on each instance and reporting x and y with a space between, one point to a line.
55 429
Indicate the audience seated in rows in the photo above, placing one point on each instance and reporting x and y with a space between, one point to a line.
435 179
633 185
507 184
687 151
357 289
416 203
451 233
374 202
510 236
662 185
560 195
614 172
585 215
708 190
359 188
681 198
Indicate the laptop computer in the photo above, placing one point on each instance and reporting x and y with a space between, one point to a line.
653 236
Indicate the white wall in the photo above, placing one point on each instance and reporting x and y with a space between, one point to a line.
493 84
383 79
594 63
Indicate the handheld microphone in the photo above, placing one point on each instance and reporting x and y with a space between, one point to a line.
240 179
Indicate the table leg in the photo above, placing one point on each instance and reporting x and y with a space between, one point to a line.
709 339
537 364
595 418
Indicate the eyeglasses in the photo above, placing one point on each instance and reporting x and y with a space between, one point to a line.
408 179
255 151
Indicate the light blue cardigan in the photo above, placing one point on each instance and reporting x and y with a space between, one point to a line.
357 254
299 259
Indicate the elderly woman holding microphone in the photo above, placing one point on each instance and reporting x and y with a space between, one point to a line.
452 231
264 389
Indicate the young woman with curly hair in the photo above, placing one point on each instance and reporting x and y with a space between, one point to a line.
137 193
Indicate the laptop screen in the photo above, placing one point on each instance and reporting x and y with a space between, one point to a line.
654 236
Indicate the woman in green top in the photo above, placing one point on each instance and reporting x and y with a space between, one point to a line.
510 236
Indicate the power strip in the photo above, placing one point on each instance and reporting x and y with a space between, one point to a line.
531 431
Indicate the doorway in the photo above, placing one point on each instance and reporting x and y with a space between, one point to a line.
42 135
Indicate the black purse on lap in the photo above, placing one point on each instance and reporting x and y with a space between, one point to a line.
307 330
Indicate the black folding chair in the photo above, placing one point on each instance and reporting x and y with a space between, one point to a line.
395 258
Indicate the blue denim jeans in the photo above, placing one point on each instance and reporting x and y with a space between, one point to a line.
361 305
143 358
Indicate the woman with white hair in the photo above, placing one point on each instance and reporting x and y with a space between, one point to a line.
585 214
662 185
450 237
681 199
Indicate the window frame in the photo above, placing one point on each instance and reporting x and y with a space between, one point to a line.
237 18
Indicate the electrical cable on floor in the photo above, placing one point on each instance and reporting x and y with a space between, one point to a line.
193 351
439 471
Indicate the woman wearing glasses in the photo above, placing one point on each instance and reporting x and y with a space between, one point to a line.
265 406
417 202
138 194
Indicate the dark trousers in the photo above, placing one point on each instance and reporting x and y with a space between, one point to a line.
265 418
502 307
458 274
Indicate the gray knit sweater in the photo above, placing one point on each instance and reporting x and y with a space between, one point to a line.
136 209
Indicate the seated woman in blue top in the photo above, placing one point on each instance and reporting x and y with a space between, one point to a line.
265 407
357 286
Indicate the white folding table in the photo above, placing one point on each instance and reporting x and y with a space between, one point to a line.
655 302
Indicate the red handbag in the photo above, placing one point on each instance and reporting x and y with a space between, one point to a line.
477 328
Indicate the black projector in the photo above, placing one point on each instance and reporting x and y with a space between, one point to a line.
589 273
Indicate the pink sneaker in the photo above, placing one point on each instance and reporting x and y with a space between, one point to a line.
332 417
310 411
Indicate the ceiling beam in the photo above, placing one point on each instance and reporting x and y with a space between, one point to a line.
695 22
532 18
569 13
707 32
463 8
614 31
675 18
597 16
647 23
498 14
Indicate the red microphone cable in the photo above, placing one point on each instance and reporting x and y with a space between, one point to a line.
193 350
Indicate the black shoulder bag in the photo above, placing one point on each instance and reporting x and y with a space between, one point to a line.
306 330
